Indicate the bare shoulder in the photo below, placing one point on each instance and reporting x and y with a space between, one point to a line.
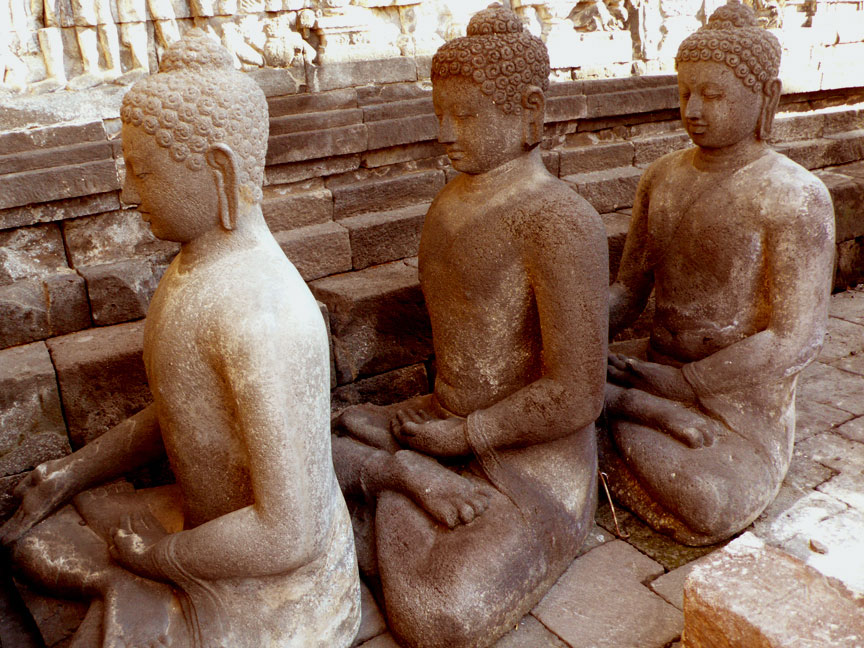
792 193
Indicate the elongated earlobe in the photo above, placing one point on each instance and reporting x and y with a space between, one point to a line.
771 99
223 163
533 108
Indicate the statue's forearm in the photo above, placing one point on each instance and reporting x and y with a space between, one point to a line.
128 445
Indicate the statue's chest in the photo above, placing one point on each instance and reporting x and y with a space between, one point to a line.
470 252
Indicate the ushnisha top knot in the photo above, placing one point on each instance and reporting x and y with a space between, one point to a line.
497 55
195 51
733 37
494 20
198 100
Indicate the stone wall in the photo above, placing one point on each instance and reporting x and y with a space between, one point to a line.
350 174
324 44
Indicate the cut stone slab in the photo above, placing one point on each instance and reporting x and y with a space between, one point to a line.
852 430
383 389
59 210
596 156
71 181
831 386
114 236
659 547
601 601
847 194
354 73
101 376
379 237
378 319
385 193
609 189
32 429
652 148
317 250
812 418
749 594
57 619
296 147
670 585
121 291
35 309
31 253
529 632
847 487
835 451
842 339
285 209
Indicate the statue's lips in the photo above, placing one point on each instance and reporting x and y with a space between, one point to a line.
697 128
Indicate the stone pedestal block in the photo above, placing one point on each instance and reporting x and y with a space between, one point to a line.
749 594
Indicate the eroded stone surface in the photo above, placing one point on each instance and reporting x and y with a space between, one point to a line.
749 594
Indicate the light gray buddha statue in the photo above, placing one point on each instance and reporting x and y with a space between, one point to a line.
470 502
252 547
737 242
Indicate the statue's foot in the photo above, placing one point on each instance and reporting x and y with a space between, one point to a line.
449 498
369 424
143 614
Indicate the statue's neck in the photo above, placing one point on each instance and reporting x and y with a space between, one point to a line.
502 175
730 157
250 229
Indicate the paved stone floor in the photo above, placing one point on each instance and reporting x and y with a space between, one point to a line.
627 593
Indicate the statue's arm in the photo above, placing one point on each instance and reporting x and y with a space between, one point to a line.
567 262
799 253
275 393
629 294
133 443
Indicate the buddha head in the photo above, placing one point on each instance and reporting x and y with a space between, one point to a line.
727 78
488 91
194 140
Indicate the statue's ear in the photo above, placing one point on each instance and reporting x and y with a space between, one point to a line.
223 163
533 111
771 99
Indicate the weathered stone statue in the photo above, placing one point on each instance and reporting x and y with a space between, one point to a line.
252 547
737 242
470 502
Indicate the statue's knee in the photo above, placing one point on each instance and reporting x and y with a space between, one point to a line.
455 627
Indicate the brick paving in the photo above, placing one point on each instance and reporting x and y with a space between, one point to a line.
627 593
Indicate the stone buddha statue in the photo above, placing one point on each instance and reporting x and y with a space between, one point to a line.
252 546
737 242
468 503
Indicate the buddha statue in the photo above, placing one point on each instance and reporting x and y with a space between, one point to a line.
737 242
252 547
468 503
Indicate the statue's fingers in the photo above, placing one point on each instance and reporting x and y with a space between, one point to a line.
618 376
409 429
618 361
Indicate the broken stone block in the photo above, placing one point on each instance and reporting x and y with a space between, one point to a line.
749 594
114 236
600 601
121 291
35 309
311 122
383 389
529 632
298 171
101 377
389 192
354 73
307 102
378 319
317 250
33 430
379 237
640 100
31 252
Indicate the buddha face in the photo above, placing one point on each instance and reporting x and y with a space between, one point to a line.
717 109
179 203
477 135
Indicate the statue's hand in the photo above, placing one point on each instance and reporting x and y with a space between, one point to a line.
658 379
133 541
419 431
43 491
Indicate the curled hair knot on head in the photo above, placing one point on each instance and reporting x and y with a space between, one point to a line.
198 100
504 59
733 37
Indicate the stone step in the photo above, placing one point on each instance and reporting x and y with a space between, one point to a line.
608 189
